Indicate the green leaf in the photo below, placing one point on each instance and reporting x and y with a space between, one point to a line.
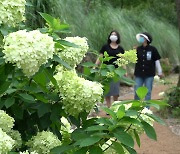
111 68
150 132
81 151
104 121
118 147
79 134
95 150
124 138
17 111
61 149
41 98
130 121
112 113
156 118
96 128
121 112
160 103
51 78
142 92
58 45
88 64
131 113
43 109
60 61
130 150
128 81
137 138
103 72
9 102
68 44
4 86
123 102
120 71
89 141
27 97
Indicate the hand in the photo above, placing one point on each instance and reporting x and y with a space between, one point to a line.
161 76
135 47
126 74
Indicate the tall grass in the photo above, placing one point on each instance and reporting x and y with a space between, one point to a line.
97 24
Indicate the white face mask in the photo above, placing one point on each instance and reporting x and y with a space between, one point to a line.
113 38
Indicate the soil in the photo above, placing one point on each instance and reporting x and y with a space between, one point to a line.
168 136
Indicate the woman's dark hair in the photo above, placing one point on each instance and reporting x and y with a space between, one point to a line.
118 35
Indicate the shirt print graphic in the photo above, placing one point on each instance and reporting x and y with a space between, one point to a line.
149 55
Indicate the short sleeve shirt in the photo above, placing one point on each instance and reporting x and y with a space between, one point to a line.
145 66
111 52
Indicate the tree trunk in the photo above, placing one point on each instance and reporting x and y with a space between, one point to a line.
178 15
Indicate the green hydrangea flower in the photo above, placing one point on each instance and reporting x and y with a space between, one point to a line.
6 122
12 12
74 55
6 142
126 58
77 94
43 142
28 50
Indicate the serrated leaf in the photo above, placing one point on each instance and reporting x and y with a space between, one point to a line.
121 112
60 61
27 97
9 102
120 72
112 113
111 68
156 118
150 132
95 150
137 138
96 128
61 149
124 138
142 92
89 141
160 103
118 147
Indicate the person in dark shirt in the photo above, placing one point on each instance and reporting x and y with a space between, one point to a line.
147 63
112 48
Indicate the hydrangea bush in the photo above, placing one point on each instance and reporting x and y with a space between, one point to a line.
28 50
85 96
43 142
16 136
12 12
74 55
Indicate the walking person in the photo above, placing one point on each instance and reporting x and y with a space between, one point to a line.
112 47
147 64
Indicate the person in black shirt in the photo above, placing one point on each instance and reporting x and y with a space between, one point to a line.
112 48
147 63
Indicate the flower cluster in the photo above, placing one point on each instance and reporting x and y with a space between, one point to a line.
28 50
110 74
12 12
6 122
74 55
43 142
77 93
16 136
126 58
6 142
27 152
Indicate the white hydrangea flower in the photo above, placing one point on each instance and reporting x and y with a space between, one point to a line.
6 122
28 50
12 12
161 94
77 93
16 136
126 58
156 78
6 142
74 55
43 142
27 152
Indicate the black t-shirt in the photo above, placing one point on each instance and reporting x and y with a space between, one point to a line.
111 52
145 66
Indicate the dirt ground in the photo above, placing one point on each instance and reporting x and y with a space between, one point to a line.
168 136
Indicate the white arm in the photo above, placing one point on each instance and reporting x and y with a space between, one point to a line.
158 67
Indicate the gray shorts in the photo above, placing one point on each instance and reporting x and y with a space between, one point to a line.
114 89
